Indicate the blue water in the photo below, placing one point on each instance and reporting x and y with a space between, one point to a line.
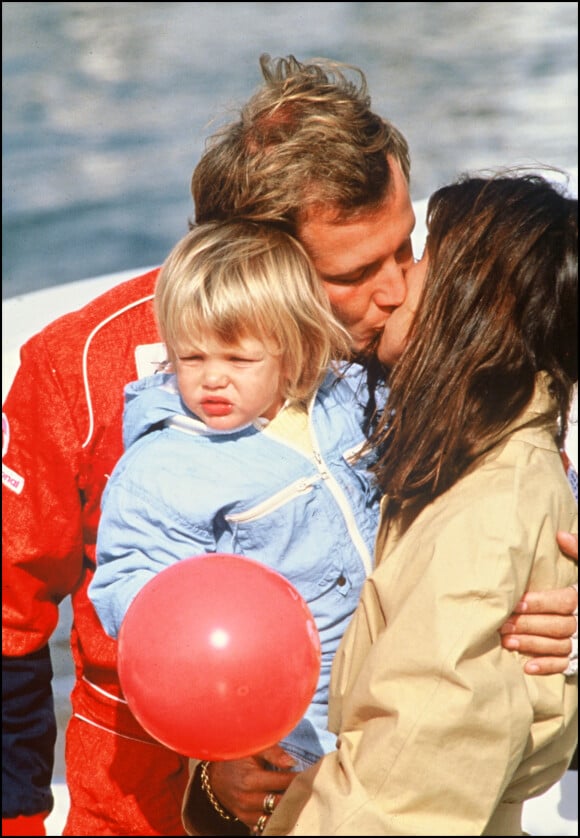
106 107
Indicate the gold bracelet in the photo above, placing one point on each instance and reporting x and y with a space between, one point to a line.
205 784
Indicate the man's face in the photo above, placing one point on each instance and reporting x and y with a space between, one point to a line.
362 263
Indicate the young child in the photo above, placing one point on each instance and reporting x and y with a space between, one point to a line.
249 444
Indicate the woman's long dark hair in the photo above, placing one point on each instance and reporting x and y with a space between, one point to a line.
499 305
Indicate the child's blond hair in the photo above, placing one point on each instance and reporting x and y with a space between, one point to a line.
241 279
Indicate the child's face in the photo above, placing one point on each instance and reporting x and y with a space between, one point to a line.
227 385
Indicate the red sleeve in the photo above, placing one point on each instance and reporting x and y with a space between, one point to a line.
61 435
42 534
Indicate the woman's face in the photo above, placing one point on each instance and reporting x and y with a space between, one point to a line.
394 338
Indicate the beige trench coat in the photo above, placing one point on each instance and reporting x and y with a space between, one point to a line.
440 732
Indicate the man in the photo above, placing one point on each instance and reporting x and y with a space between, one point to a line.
64 412
354 218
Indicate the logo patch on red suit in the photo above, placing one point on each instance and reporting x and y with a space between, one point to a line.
10 479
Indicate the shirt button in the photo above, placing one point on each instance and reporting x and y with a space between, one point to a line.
341 581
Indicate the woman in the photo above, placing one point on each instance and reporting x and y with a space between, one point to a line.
440 731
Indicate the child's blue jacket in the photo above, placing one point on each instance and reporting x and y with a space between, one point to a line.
288 493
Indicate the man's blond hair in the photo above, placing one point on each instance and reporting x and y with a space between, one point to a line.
307 136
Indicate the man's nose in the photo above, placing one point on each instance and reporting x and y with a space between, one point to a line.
391 285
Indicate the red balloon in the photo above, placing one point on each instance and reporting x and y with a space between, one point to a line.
218 656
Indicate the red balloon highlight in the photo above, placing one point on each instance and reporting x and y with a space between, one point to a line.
218 656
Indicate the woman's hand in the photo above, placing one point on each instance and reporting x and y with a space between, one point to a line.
545 624
251 788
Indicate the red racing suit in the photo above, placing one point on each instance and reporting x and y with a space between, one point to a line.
62 435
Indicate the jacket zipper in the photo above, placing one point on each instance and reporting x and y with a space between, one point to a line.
299 487
345 508
306 485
